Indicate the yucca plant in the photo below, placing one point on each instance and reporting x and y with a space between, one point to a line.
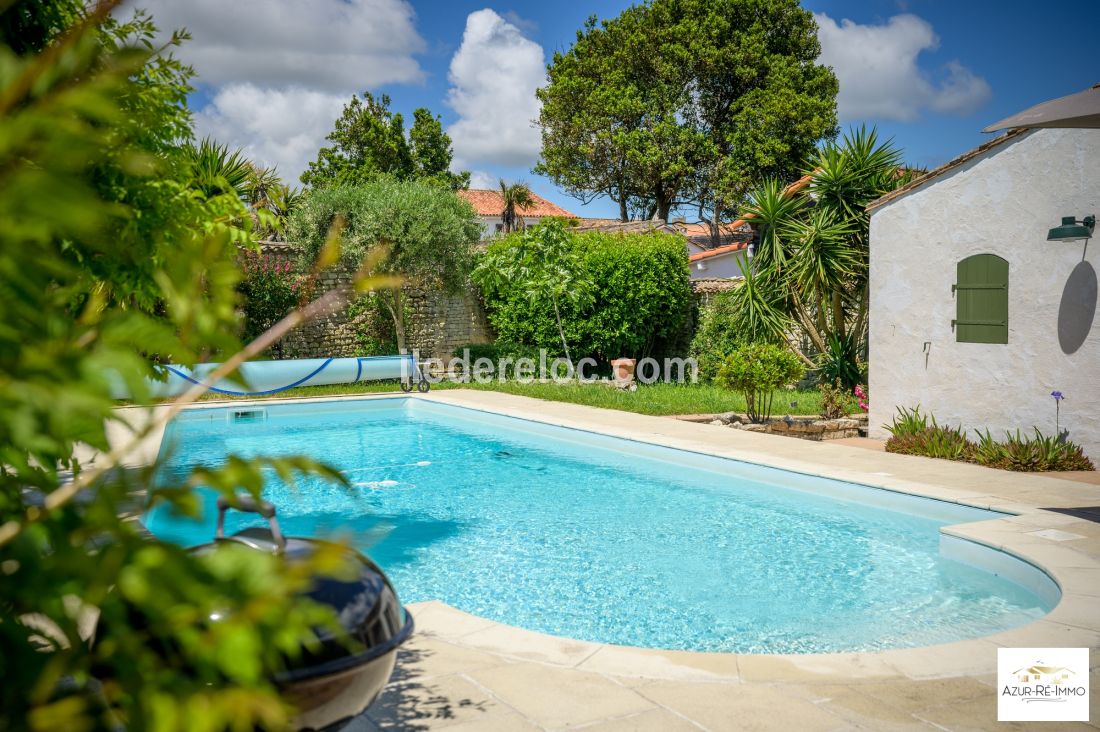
812 258
216 170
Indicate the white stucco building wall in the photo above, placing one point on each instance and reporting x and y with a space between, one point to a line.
1002 201
492 227
724 265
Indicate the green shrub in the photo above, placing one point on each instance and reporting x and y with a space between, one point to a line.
838 363
498 352
641 294
913 433
1030 454
716 336
423 233
268 288
757 370
836 401
373 327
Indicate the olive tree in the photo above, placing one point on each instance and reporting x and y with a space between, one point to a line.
426 231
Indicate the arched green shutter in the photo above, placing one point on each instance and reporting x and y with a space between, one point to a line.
981 300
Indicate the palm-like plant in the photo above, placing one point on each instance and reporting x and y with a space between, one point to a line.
516 197
271 201
216 170
263 186
811 264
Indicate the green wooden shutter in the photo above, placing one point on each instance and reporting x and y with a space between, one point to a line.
981 300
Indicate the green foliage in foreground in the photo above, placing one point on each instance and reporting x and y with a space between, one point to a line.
108 255
636 286
914 433
756 371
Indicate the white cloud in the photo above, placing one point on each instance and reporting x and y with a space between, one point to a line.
484 179
279 71
320 44
879 74
493 78
281 127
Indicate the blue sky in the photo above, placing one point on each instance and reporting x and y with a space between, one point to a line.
929 73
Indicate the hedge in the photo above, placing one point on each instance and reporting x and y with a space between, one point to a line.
642 296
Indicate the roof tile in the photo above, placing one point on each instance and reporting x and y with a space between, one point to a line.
491 203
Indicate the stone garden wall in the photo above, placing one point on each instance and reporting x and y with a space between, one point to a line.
437 323
806 428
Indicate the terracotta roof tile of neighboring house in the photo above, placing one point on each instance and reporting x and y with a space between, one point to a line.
614 226
593 224
712 285
490 203
798 185
949 165
696 233
719 251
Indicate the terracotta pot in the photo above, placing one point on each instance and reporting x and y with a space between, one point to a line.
623 370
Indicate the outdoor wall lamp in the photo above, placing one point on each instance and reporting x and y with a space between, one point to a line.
1072 229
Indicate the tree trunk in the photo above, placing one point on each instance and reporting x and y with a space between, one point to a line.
561 332
838 315
816 337
715 227
624 215
664 205
394 304
861 321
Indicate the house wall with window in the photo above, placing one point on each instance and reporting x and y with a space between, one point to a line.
974 341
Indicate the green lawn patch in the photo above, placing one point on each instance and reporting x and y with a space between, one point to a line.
655 399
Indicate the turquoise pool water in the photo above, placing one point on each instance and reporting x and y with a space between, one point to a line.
591 537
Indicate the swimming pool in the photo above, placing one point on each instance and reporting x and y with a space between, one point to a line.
592 537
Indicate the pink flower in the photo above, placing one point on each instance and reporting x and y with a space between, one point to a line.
862 396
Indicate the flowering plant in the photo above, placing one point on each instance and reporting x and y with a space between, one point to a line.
1058 397
269 289
863 395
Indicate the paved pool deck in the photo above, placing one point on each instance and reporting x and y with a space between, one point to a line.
462 672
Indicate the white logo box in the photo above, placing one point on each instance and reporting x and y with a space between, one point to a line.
1043 684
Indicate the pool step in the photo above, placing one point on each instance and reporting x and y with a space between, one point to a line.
243 416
